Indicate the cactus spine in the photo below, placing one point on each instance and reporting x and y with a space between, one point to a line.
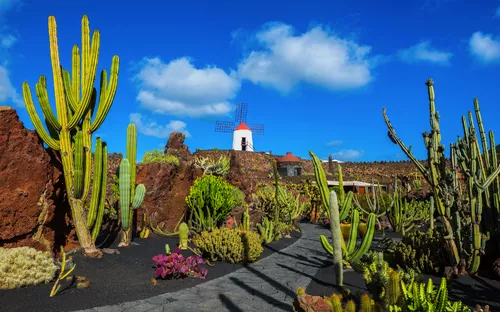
131 197
337 239
183 236
70 132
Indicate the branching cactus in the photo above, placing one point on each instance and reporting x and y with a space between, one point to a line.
481 173
268 231
375 203
131 197
345 202
350 252
404 215
69 129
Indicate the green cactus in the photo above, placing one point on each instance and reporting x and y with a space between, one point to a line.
345 202
376 204
268 231
481 173
70 132
337 239
183 236
404 215
350 252
245 223
131 196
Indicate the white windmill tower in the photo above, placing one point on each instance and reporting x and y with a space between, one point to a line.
242 133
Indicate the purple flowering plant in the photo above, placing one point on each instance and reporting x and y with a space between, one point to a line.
176 266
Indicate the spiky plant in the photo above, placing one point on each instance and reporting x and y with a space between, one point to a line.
69 130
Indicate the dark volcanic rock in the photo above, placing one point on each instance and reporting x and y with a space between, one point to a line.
31 188
175 146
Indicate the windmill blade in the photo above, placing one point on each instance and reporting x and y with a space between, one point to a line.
224 126
240 114
257 129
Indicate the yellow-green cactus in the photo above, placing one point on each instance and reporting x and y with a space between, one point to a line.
25 266
183 236
231 245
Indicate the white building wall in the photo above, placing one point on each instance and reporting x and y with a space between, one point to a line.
237 137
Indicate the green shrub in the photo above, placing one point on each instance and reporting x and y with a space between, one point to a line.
210 200
231 245
265 200
239 197
218 167
158 156
25 266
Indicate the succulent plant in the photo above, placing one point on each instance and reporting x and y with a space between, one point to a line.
175 266
231 245
131 196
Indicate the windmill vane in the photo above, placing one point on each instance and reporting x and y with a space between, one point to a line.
242 133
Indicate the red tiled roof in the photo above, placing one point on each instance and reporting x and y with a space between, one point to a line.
289 158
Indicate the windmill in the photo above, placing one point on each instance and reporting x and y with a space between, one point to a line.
242 133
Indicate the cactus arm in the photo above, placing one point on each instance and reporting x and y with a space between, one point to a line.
96 192
336 239
76 74
43 98
367 240
353 232
324 242
79 166
72 99
321 181
107 99
30 107
90 55
140 191
397 140
346 205
87 145
102 198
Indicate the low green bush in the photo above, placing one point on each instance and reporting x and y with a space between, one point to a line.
231 245
158 156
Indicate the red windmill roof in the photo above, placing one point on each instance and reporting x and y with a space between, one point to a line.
289 158
242 126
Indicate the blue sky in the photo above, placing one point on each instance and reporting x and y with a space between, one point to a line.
316 73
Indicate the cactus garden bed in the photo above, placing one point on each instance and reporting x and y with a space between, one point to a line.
470 290
117 278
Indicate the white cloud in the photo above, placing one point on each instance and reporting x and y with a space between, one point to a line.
484 47
151 128
7 41
180 89
347 154
334 143
317 57
7 90
423 52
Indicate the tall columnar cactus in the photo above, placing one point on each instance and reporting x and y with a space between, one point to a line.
345 202
337 239
131 197
481 175
69 131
